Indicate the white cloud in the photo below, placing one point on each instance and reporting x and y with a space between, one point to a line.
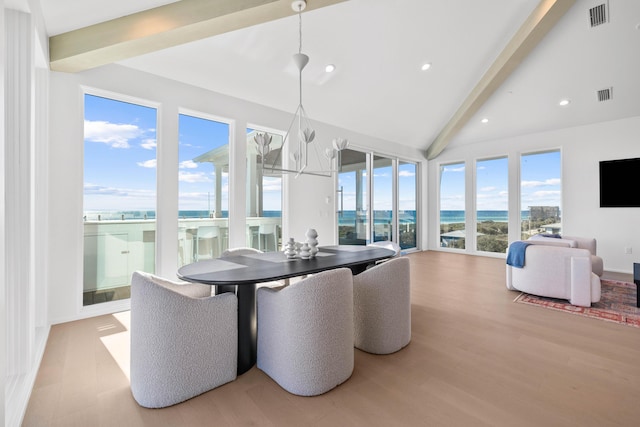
188 164
271 188
192 177
99 190
406 174
543 194
272 185
545 183
149 144
450 169
98 197
452 203
150 164
117 135
488 189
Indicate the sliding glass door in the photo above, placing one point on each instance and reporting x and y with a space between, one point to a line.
377 200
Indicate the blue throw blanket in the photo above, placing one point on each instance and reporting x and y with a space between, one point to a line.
515 255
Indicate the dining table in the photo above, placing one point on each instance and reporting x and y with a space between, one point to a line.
241 275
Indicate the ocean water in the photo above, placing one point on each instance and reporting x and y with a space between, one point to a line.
119 215
346 218
380 217
449 217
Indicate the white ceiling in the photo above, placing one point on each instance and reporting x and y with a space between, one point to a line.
378 47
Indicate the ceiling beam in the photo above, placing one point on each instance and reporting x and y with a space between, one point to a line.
538 24
162 27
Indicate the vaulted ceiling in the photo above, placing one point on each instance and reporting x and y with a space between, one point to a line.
509 61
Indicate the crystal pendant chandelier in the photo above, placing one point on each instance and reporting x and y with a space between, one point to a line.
300 136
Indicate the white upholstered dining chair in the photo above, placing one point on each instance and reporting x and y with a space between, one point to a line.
184 341
387 244
305 333
382 307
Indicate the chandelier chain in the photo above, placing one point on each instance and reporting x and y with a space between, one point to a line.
300 30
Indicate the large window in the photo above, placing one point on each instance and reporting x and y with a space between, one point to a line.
407 205
540 191
264 194
452 206
119 197
203 193
492 205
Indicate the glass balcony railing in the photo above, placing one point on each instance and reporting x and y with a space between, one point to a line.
114 249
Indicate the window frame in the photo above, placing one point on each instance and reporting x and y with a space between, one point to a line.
121 304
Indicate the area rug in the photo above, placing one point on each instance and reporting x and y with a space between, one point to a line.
617 304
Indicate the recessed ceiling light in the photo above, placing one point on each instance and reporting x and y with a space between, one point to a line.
564 102
426 66
330 68
485 120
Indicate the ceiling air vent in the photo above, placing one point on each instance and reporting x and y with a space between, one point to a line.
604 94
598 15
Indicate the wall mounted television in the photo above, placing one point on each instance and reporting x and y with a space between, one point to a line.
620 183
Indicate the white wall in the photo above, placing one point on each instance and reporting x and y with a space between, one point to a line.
306 206
582 149
3 287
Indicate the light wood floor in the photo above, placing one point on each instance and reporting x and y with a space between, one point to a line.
475 359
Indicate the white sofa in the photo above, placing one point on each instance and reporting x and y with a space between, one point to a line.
556 272
587 243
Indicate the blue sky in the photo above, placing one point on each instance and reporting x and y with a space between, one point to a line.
120 163
540 183
382 188
196 181
119 156
120 159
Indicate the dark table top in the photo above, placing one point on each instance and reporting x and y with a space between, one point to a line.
264 267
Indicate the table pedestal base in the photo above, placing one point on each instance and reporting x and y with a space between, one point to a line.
247 324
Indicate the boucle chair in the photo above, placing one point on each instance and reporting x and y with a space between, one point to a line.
588 243
556 272
305 332
182 343
382 307
387 244
239 251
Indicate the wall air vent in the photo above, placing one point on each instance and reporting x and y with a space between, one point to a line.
599 15
604 94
